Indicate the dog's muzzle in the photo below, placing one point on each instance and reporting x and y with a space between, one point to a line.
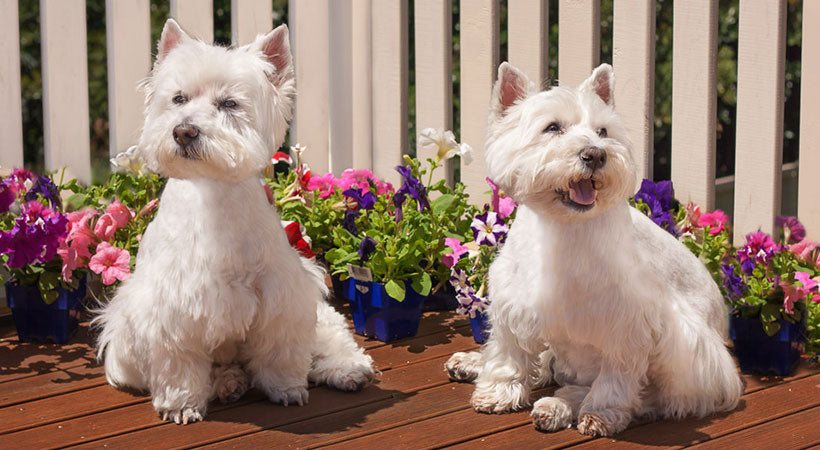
187 137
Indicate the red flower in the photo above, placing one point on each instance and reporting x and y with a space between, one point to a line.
296 240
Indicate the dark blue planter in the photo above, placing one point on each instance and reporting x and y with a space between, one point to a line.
338 287
481 328
759 353
376 314
36 320
442 300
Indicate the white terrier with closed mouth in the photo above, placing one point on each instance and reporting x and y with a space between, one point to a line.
219 301
587 291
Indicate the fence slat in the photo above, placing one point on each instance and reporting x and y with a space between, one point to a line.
341 86
250 18
434 71
309 44
65 87
196 17
694 101
128 47
579 40
528 38
808 208
361 91
633 58
11 115
479 63
390 78
760 75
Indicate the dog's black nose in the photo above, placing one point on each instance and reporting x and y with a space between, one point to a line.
593 157
185 133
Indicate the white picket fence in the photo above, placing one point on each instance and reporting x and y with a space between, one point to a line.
352 71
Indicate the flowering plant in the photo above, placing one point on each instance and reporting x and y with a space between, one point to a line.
469 261
401 236
765 278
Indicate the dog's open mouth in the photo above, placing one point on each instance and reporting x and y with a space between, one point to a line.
581 195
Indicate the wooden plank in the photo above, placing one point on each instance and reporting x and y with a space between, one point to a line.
341 86
232 422
11 115
633 59
196 17
128 46
799 430
694 101
525 436
361 84
759 144
308 23
65 88
579 40
434 73
389 25
528 38
48 384
808 208
250 18
20 360
479 66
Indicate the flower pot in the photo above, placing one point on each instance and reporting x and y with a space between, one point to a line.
338 286
35 320
758 352
376 314
481 327
442 300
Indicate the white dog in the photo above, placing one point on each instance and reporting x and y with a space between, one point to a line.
587 290
217 292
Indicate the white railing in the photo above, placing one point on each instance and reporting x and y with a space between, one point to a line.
352 72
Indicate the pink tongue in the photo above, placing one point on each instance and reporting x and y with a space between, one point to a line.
582 192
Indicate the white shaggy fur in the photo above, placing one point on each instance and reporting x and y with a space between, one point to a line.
600 298
219 301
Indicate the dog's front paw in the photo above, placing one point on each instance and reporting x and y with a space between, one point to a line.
500 398
463 366
230 383
551 414
352 380
182 416
297 395
592 424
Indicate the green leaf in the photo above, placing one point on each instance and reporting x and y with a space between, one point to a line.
769 312
335 255
441 204
422 284
395 290
771 328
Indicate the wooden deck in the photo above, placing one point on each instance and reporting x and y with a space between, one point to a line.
56 396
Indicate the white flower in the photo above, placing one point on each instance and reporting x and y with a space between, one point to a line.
444 144
297 149
129 161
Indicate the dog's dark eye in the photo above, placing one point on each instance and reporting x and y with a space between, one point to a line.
602 132
179 99
228 104
553 128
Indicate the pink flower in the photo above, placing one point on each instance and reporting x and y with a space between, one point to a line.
150 207
804 249
113 263
70 260
715 220
120 213
502 204
106 227
795 293
325 184
693 211
450 259
383 187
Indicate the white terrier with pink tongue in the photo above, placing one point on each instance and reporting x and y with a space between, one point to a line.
588 291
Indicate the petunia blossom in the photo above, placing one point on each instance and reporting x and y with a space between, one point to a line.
106 227
793 231
804 249
444 144
488 228
503 205
120 213
759 246
325 185
112 263
450 259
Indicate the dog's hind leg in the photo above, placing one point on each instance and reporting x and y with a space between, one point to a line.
228 382
338 360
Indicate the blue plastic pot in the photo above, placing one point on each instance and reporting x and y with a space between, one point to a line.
338 287
376 314
442 300
759 353
35 320
481 328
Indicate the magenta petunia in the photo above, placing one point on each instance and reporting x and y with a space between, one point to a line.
715 220
450 259
324 184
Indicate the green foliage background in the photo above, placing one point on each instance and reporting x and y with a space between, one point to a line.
727 75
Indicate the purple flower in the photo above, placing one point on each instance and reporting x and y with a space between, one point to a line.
34 237
7 196
367 247
349 222
793 230
43 186
412 186
364 199
488 228
735 287
747 266
759 247
398 201
663 192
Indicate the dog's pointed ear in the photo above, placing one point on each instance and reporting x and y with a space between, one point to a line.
512 86
275 48
602 83
172 35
